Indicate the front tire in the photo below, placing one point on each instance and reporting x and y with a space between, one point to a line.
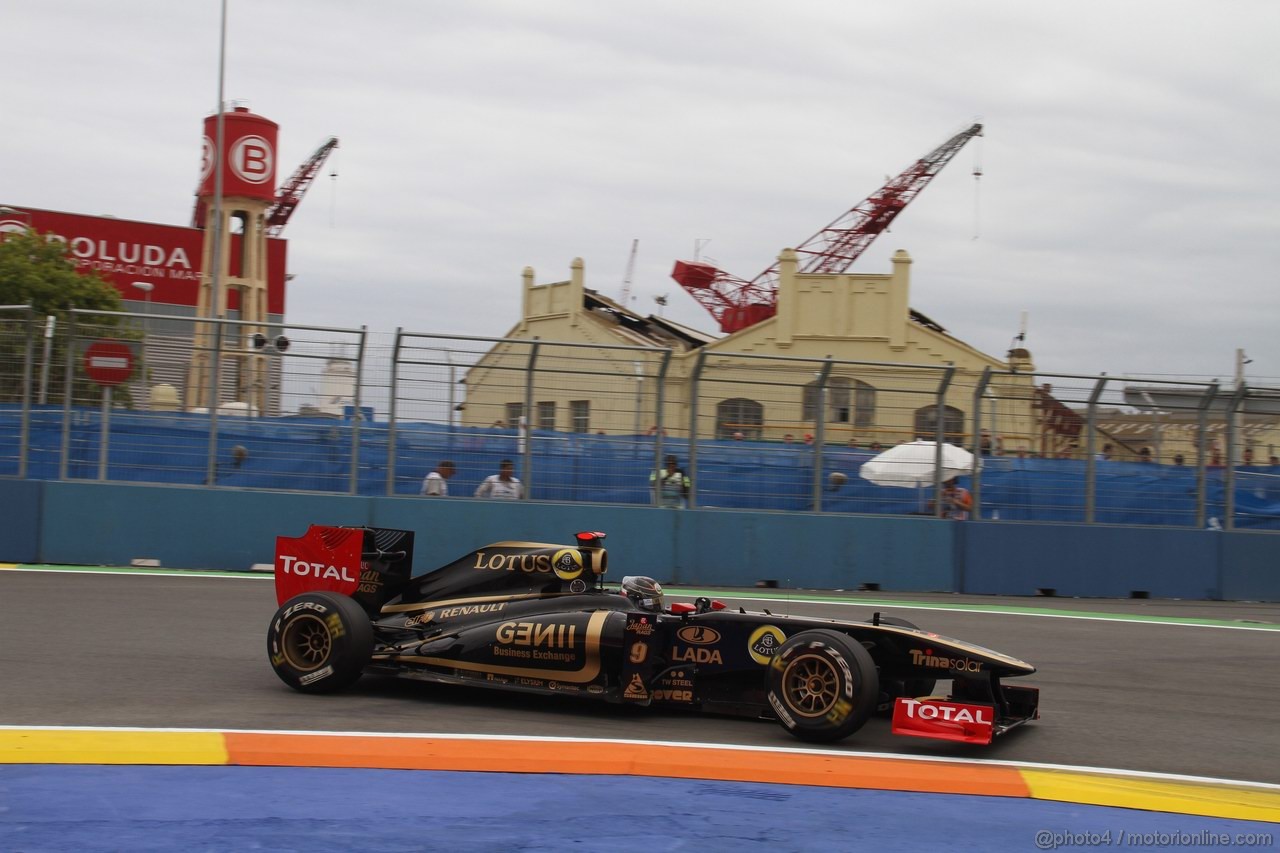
319 642
823 686
910 688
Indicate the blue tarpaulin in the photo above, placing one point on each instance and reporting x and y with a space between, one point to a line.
315 455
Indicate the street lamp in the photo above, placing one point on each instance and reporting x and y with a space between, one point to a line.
146 287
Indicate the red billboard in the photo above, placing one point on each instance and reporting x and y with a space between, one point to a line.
165 256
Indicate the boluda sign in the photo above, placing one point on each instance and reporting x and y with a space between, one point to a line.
165 256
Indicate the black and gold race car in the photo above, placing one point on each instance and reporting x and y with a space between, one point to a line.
535 617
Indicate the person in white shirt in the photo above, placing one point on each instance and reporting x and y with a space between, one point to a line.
435 484
502 485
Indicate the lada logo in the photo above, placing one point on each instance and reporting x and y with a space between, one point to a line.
698 635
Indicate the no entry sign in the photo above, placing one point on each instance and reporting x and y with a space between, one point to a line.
108 362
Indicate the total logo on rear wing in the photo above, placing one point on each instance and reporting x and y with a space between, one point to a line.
324 558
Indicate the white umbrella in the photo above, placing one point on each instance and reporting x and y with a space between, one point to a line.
912 465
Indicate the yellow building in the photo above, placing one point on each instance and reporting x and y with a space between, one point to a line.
850 341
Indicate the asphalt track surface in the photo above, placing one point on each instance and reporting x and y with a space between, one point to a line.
189 652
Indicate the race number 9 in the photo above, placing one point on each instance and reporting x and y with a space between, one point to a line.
639 651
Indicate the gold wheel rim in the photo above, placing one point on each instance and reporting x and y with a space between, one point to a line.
306 642
811 685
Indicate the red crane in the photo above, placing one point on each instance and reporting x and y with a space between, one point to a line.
290 193
737 303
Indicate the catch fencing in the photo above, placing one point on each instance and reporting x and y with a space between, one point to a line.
125 397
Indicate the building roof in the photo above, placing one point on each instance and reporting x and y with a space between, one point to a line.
646 331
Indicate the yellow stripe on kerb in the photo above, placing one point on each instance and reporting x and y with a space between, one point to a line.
1156 795
72 746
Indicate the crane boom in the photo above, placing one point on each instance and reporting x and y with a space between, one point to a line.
737 303
631 270
292 190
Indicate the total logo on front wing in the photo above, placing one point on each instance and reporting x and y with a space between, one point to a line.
943 720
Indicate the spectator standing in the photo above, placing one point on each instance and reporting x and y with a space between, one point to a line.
670 485
956 501
502 485
436 484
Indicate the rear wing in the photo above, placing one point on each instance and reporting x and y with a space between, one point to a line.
369 564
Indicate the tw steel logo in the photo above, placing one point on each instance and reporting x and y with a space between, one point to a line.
303 569
252 159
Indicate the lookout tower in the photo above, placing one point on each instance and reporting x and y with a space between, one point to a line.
247 163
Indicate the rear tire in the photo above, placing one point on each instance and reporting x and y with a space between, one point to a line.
319 642
822 685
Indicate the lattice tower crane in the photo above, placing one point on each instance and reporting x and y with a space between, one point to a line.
737 303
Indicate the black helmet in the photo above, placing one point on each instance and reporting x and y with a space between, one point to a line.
645 593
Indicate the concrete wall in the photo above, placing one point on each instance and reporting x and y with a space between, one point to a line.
187 527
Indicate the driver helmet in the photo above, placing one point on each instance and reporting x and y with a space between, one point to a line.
645 593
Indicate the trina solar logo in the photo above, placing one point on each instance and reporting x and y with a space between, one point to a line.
928 658
303 569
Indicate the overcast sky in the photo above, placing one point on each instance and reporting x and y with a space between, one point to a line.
1130 201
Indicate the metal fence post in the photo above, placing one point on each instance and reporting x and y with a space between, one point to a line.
24 435
979 393
940 434
1091 461
694 377
211 469
391 412
820 432
659 421
525 430
356 415
64 466
1229 473
1202 427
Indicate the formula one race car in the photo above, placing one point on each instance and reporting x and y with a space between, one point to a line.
538 618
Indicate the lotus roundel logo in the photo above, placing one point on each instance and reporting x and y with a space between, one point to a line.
697 635
567 564
764 643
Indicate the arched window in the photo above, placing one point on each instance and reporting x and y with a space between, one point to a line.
926 424
738 414
848 401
